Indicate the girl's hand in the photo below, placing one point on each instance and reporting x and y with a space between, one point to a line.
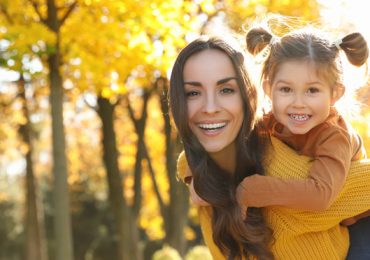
348 222
195 197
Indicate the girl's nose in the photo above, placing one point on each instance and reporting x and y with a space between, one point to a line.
298 101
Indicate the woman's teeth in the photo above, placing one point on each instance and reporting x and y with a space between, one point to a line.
212 126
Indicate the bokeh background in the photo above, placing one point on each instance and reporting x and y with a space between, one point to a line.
87 148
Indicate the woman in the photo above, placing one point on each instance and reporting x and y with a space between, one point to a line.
214 107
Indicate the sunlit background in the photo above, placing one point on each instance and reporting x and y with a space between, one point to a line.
113 193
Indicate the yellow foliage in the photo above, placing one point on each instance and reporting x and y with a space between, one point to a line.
199 253
3 197
128 190
26 35
241 13
24 148
106 93
208 6
363 128
166 253
189 233
150 219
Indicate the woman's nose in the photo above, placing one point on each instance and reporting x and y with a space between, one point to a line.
211 103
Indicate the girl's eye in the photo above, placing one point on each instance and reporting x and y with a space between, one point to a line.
313 90
285 89
192 93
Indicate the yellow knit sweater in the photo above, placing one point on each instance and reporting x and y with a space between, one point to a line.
303 234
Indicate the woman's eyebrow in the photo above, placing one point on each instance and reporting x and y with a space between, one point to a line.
222 81
193 83
219 82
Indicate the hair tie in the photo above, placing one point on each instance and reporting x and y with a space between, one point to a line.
240 57
337 43
262 56
272 40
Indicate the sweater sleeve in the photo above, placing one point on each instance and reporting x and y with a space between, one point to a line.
353 199
183 171
326 177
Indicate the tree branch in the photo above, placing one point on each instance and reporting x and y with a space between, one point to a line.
95 108
68 13
131 112
155 184
37 10
6 14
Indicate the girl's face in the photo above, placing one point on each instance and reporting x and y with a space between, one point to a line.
300 99
214 101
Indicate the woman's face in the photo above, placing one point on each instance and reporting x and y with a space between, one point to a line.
214 101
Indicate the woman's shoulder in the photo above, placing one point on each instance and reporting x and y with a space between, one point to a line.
183 171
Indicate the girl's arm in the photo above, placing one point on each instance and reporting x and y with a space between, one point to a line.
325 180
353 199
353 220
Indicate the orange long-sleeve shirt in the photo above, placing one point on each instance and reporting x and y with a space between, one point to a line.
332 145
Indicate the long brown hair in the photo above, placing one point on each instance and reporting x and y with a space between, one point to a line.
234 236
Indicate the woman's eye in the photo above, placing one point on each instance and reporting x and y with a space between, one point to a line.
227 90
192 93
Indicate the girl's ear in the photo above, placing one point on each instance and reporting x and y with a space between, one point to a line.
266 88
338 92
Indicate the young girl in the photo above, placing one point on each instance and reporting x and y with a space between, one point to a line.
302 77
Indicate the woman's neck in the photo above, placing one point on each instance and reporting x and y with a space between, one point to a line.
226 158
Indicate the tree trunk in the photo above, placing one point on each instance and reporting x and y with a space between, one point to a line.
35 245
62 220
141 152
176 217
127 231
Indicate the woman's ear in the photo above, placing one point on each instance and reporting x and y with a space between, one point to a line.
338 92
266 88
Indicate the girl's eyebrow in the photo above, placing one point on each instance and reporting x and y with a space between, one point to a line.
314 83
219 82
307 83
282 81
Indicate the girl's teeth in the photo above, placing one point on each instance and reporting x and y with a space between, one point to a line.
212 126
299 117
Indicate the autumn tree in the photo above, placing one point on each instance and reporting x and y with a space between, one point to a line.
130 47
53 15
18 52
